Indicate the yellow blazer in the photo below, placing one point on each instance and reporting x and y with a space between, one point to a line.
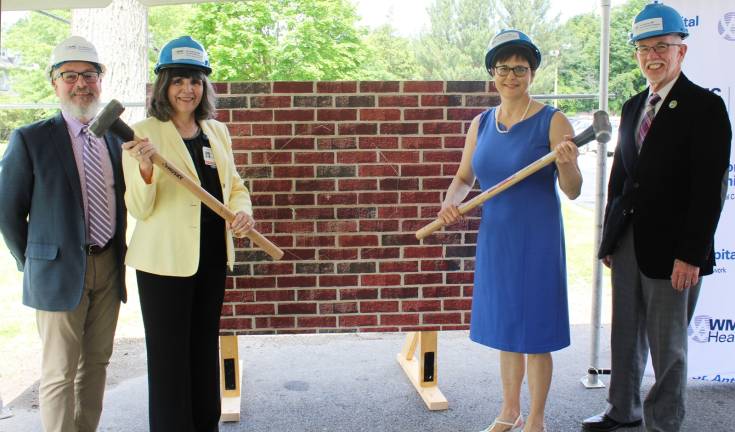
166 236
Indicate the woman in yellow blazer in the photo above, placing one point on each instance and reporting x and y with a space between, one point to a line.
180 247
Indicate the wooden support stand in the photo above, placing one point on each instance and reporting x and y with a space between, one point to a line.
230 378
421 370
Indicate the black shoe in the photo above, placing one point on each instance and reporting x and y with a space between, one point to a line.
603 423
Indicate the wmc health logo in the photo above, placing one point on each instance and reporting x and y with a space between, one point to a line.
726 26
705 329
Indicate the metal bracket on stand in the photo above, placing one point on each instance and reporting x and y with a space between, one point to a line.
421 370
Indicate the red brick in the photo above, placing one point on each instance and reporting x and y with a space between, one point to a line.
281 322
272 268
357 184
220 88
239 296
386 293
380 280
262 199
256 282
356 267
317 294
399 128
420 197
227 310
393 184
400 157
377 198
440 291
358 321
424 114
313 213
379 86
337 254
378 225
423 252
378 329
321 157
442 318
454 141
436 128
358 129
337 280
300 254
297 171
358 294
403 319
338 308
336 226
251 144
423 86
356 213
421 170
270 101
423 279
378 306
400 266
397 212
272 158
222 115
336 114
271 129
296 281
315 241
441 183
294 199
440 265
378 142
459 278
294 115
399 239
252 115
380 253
316 321
293 87
336 87
337 199
378 170
274 295
236 323
354 101
272 185
337 143
398 101
441 100
314 129
421 143
294 227
367 114
450 169
463 113
273 213
457 304
421 305
357 240
315 185
237 129
296 308
255 309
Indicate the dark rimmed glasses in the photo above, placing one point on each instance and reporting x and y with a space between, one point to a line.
659 48
502 70
71 77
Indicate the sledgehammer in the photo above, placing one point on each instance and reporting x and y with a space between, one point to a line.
109 119
600 130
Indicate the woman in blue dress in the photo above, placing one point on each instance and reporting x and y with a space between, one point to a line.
519 304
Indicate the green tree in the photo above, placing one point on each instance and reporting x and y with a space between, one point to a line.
280 39
388 56
33 38
165 23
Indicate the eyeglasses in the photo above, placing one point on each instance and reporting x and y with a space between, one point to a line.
518 71
659 48
70 77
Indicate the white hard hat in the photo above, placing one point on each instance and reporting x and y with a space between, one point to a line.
75 48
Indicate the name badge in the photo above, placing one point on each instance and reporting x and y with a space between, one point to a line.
208 157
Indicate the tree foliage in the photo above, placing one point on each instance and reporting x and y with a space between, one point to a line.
389 56
280 39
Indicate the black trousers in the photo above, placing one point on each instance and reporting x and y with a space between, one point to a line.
181 318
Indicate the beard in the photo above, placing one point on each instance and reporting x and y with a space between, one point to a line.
83 113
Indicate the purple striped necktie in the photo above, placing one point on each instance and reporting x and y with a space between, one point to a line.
647 119
100 227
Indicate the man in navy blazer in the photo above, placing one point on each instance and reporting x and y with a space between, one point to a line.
665 195
63 218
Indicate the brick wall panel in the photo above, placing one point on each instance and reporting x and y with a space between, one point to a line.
342 173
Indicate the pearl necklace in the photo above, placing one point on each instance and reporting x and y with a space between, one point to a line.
522 118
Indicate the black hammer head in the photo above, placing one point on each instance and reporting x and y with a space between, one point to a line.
601 126
111 112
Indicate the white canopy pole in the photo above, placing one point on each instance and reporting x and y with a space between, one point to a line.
591 380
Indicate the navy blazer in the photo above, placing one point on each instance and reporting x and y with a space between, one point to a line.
42 213
672 192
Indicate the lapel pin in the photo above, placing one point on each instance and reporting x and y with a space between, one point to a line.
673 104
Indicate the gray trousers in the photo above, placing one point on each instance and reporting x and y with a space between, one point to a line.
648 313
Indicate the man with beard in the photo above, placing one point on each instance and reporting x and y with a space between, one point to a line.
63 220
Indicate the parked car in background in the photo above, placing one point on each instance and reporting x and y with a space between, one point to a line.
582 121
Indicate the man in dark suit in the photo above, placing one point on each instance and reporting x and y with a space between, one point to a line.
63 219
664 201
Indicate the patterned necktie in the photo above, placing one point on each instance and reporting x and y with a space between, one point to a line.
647 119
100 228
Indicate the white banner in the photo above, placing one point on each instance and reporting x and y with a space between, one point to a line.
710 62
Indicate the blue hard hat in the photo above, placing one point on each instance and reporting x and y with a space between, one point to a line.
510 37
183 52
657 19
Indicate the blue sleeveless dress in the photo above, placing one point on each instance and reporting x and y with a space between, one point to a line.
519 299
